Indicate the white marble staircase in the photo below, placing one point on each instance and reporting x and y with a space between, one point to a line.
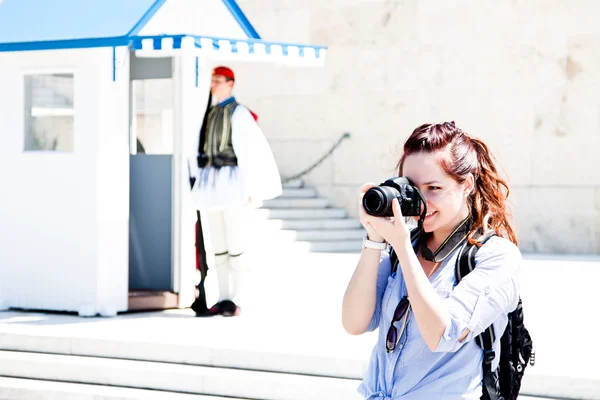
310 222
83 377
30 389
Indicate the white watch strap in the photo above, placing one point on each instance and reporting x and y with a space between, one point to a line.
373 245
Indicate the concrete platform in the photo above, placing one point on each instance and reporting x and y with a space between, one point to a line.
29 389
290 324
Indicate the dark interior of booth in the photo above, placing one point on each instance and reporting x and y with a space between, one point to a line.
151 285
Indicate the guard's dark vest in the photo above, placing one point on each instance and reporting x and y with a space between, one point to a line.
215 147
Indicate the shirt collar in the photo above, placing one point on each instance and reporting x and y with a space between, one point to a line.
452 242
226 101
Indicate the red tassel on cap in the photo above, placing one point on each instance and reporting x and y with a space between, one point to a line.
253 115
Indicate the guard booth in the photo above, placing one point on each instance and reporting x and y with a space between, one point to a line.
101 102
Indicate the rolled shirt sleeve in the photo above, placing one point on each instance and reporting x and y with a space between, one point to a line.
384 272
490 291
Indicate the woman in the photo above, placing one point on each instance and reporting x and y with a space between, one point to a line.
429 351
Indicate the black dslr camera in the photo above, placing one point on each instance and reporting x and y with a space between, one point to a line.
377 201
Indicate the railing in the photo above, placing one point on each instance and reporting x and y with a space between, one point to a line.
319 161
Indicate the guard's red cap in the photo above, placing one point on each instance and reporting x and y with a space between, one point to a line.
224 71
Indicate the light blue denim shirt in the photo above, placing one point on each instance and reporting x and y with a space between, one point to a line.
453 370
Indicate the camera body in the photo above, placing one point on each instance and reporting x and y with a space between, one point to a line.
377 201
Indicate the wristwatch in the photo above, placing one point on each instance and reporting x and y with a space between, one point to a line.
373 245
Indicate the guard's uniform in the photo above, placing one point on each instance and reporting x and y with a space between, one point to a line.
235 164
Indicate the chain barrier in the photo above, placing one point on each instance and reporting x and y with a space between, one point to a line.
319 161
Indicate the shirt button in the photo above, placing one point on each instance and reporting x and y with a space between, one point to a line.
448 337
486 290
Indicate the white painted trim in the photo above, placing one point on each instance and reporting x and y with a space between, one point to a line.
52 112
176 178
218 55
48 71
132 121
204 47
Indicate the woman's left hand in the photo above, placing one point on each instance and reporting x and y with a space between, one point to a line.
394 231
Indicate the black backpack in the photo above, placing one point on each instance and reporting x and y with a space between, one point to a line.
516 347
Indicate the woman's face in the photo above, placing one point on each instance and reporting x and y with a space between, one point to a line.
446 198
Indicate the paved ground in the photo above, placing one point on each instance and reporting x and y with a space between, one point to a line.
293 308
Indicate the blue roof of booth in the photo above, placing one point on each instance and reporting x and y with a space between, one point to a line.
49 20
47 24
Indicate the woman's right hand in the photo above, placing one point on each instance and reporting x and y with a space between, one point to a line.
366 218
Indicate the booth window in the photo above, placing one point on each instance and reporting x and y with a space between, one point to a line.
49 112
153 113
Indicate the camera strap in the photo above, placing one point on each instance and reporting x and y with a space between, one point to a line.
451 243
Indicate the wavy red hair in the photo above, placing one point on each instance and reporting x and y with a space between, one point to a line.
459 155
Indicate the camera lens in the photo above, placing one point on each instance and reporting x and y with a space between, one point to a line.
378 200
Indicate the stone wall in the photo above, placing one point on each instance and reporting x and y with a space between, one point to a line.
522 75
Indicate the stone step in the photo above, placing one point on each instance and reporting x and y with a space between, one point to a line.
225 382
25 389
332 246
304 192
124 338
303 241
295 184
301 213
323 234
312 224
282 203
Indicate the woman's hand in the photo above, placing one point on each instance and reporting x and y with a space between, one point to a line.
365 219
393 230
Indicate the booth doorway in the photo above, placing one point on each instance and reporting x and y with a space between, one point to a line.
152 138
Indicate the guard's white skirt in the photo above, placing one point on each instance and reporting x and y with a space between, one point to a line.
218 189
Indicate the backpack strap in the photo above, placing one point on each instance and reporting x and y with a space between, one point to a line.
465 263
414 235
